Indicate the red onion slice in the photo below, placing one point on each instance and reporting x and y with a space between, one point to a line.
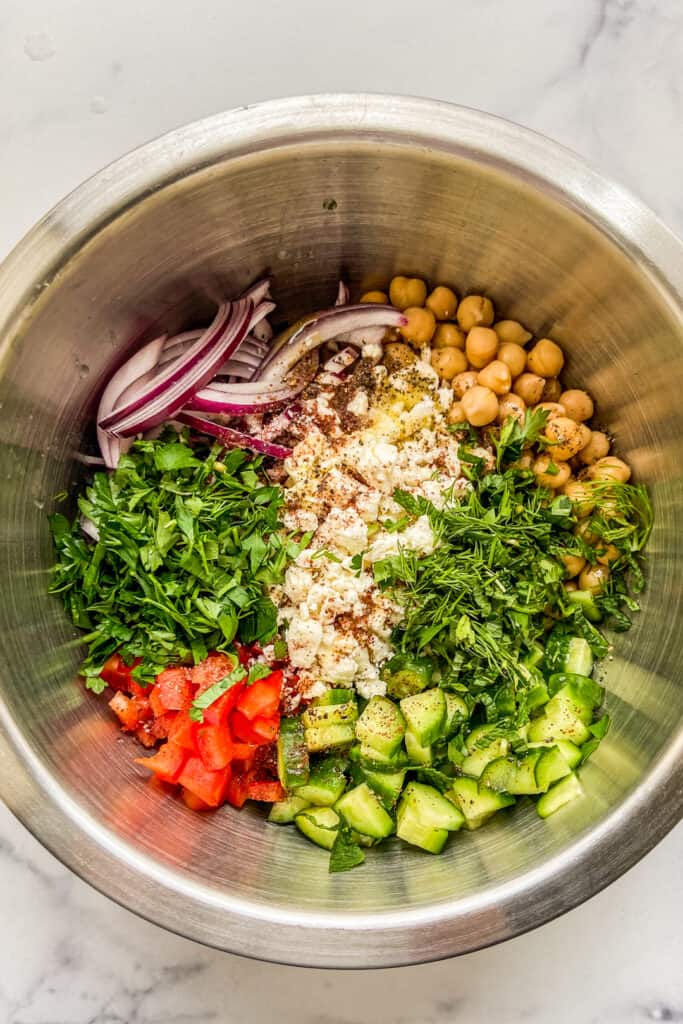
140 363
340 361
324 327
263 332
233 438
258 292
169 390
343 295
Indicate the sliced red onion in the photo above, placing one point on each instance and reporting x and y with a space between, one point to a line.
140 363
281 422
233 438
257 292
364 336
178 344
238 400
324 327
343 295
263 331
170 389
89 528
340 361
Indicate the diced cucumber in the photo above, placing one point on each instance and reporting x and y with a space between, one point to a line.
535 656
425 714
579 693
557 723
567 653
375 761
328 737
514 775
406 675
457 712
387 785
562 793
476 805
586 602
454 752
570 752
319 824
292 753
381 726
550 768
362 811
285 811
417 753
319 716
480 753
537 696
424 817
334 696
326 783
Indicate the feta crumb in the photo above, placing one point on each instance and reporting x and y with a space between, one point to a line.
372 351
303 640
359 404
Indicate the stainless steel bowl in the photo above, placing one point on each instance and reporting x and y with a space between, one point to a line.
310 188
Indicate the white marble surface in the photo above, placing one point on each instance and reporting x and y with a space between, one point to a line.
81 81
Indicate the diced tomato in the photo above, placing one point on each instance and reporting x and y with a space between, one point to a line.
268 792
130 711
262 698
209 671
155 702
237 791
167 763
246 652
161 726
217 747
117 674
209 786
183 731
175 689
258 731
218 712
194 802
144 736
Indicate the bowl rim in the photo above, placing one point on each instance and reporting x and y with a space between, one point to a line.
95 853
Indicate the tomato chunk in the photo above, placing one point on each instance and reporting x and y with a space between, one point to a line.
167 763
183 731
209 671
215 746
262 698
237 790
209 786
175 689
130 711
268 792
194 802
218 712
258 731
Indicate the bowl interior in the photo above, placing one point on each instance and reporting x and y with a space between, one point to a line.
308 209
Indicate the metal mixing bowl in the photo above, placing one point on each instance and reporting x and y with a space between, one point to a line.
310 188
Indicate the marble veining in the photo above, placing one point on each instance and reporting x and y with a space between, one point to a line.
83 83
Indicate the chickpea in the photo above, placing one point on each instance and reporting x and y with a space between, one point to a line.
570 585
407 291
607 553
551 390
449 361
511 332
448 336
525 461
462 382
420 327
584 531
397 356
375 296
610 468
496 376
481 346
573 564
513 356
529 387
597 448
443 303
594 578
581 497
550 473
456 414
511 405
473 311
480 405
567 437
545 358
579 404
552 408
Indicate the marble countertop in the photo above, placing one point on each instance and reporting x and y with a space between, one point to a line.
83 82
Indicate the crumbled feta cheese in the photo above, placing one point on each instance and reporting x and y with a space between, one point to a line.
303 640
344 529
372 351
359 404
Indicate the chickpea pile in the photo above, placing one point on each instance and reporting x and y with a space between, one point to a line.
496 370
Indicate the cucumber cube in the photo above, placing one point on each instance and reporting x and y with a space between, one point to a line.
477 805
425 714
562 793
326 783
381 726
285 811
327 737
432 807
411 829
292 753
330 714
570 752
480 753
319 824
514 775
362 811
334 696
558 723
551 767
387 785
417 754
457 712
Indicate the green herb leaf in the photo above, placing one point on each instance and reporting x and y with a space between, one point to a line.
346 852
216 690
